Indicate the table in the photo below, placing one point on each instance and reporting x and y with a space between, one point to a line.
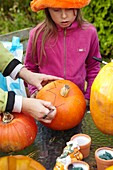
49 144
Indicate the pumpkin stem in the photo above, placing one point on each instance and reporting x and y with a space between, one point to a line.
7 117
65 90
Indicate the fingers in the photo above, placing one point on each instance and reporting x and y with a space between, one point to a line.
48 105
48 116
41 110
39 86
43 79
34 94
49 77
45 121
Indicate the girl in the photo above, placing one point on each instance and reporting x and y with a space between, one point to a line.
63 44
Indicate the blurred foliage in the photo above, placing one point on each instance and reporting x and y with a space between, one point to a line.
17 14
100 14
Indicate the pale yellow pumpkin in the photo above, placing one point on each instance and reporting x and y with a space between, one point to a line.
101 99
110 168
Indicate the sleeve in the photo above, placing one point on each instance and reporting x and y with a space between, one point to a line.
5 58
17 104
8 65
29 63
92 66
7 100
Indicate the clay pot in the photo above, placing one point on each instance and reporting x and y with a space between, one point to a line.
78 164
84 142
102 164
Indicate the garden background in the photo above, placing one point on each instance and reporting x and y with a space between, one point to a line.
16 15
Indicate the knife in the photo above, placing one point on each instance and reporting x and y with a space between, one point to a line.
100 60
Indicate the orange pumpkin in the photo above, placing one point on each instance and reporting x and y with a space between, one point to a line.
69 101
17 131
101 101
19 162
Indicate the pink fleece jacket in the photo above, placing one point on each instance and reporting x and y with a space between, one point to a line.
69 56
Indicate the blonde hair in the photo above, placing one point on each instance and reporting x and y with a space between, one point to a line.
49 29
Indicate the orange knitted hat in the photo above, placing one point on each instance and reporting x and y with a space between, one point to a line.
37 5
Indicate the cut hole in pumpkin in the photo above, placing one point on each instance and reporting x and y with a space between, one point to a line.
7 117
65 90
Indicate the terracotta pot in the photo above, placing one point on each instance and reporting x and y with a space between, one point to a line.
84 142
78 164
102 164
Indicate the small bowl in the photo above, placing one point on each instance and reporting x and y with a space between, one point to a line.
102 164
84 142
79 164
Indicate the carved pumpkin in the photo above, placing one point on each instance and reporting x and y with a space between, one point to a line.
101 101
69 101
17 131
19 162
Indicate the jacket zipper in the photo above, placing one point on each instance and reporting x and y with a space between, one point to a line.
64 53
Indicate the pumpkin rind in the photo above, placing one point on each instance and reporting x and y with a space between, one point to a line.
101 100
70 109
109 168
18 134
19 162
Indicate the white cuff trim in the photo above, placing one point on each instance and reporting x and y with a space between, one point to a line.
18 104
16 71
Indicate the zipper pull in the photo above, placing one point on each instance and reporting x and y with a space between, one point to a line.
64 31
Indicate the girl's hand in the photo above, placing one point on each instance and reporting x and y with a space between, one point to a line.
36 79
41 110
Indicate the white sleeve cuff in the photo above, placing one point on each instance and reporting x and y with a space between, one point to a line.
18 104
16 71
